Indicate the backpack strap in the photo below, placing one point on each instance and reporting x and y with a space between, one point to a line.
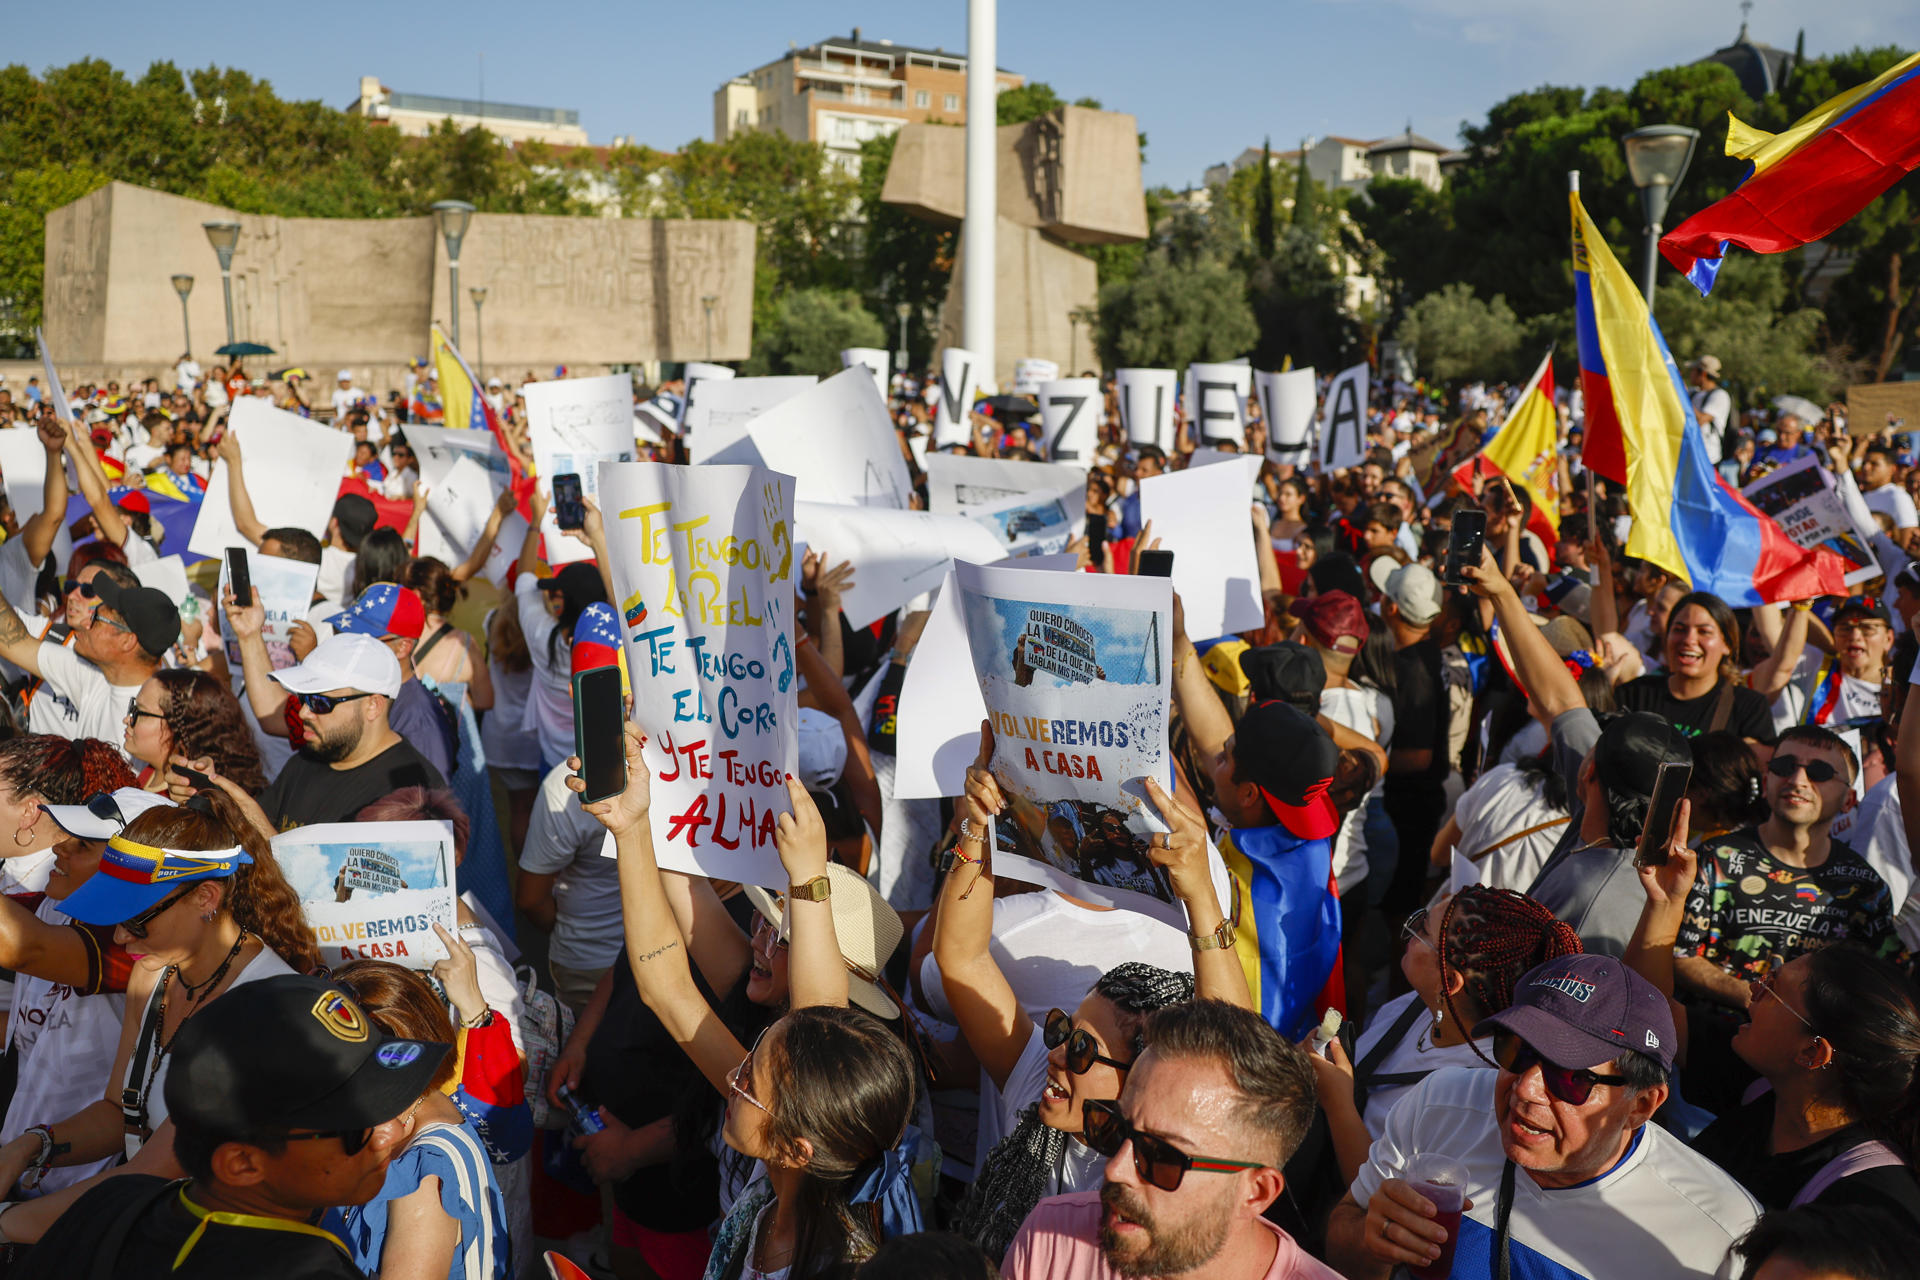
1535 829
113 1235
426 646
1364 1079
1722 708
1858 1158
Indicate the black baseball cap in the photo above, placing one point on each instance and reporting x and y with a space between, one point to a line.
152 616
356 516
293 1052
1581 1011
1631 749
1863 607
1286 672
1283 751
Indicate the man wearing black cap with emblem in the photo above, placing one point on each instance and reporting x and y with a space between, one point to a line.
280 1093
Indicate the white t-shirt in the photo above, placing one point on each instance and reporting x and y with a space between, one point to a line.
1892 501
1080 1167
142 456
1360 709
1661 1213
564 841
507 747
1501 803
187 374
1713 407
76 701
1859 699
1414 1053
549 711
1052 951
1878 833
344 398
332 582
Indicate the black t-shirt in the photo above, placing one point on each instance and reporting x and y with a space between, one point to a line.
1737 1142
308 791
151 1224
1420 712
1750 715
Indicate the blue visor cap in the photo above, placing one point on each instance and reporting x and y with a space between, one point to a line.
134 876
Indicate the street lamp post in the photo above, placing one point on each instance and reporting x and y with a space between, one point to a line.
452 215
1075 318
902 310
183 285
223 236
706 303
479 295
1657 158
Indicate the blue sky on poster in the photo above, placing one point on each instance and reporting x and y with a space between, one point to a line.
1205 80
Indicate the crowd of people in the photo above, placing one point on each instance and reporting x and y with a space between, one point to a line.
1559 1045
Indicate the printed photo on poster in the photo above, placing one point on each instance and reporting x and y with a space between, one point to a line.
373 890
1800 498
1026 524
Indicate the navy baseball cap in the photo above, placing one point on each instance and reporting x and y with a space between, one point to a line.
1581 1011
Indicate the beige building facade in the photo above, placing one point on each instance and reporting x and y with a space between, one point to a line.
417 114
842 92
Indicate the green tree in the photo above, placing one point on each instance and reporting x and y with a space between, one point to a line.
1186 302
1457 335
1265 239
808 329
1031 101
28 196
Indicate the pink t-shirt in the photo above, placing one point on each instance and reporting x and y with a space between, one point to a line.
1061 1237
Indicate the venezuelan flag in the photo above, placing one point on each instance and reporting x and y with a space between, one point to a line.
1288 913
1526 450
1809 179
462 404
1686 519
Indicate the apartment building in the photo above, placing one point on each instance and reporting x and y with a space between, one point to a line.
416 115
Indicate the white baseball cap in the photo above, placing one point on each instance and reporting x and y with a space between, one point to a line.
345 661
345 375
495 382
823 749
105 815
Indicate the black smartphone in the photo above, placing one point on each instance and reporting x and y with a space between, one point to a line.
238 577
1156 564
1464 541
1669 789
599 740
199 780
569 508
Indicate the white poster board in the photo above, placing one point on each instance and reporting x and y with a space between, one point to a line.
875 361
897 555
23 463
56 390
1070 412
1146 405
953 408
373 890
692 375
575 424
838 443
1028 524
704 576
293 468
438 448
285 589
1801 499
1343 420
1286 406
721 415
957 482
168 575
1203 515
1217 403
1030 373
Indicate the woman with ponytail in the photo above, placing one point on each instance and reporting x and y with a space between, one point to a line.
38 770
194 891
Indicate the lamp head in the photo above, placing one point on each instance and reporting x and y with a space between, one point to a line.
478 293
183 285
223 236
452 217
1657 159
903 309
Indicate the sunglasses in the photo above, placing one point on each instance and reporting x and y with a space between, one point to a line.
352 1141
85 589
321 703
1415 930
95 619
1785 766
740 1079
1571 1086
1082 1050
104 807
135 711
137 927
1155 1159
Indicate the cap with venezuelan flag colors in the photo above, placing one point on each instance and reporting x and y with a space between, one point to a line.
135 876
596 643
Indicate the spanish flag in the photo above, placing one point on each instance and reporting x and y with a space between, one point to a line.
1686 519
1809 179
463 406
1526 450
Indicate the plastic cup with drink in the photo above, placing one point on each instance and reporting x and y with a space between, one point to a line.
1443 1181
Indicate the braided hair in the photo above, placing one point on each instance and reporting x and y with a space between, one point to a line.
1490 937
1013 1177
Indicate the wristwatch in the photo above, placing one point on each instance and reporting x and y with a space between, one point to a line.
1221 937
818 889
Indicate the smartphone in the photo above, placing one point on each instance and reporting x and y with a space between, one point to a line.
599 722
199 780
1156 564
1464 542
1669 789
238 576
569 508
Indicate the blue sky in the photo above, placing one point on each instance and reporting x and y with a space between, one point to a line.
1205 80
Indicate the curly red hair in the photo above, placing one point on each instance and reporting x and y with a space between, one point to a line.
62 770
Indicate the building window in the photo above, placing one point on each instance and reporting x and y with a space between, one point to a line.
953 102
921 98
743 118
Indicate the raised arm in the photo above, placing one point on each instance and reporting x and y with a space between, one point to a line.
92 478
1182 853
266 697
1788 642
41 528
477 559
824 588
816 967
17 644
830 696
250 526
1541 671
1650 949
1208 724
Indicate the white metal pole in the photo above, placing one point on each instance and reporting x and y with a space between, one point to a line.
982 201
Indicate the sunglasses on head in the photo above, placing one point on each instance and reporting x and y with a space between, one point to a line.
1571 1086
137 927
1082 1050
1785 766
321 703
1155 1160
352 1141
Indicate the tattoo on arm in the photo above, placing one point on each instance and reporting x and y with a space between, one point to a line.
12 630
657 951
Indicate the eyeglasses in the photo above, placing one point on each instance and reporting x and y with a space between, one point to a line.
1785 766
137 927
135 711
1572 1086
1415 930
321 703
740 1079
1082 1049
352 1141
763 925
1765 983
1156 1160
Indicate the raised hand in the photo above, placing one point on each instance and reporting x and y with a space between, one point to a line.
1181 851
800 836
628 809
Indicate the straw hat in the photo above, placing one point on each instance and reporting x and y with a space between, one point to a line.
867 929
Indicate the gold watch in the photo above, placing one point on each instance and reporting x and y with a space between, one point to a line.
1221 937
818 889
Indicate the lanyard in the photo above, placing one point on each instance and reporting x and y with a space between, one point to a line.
1502 1231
